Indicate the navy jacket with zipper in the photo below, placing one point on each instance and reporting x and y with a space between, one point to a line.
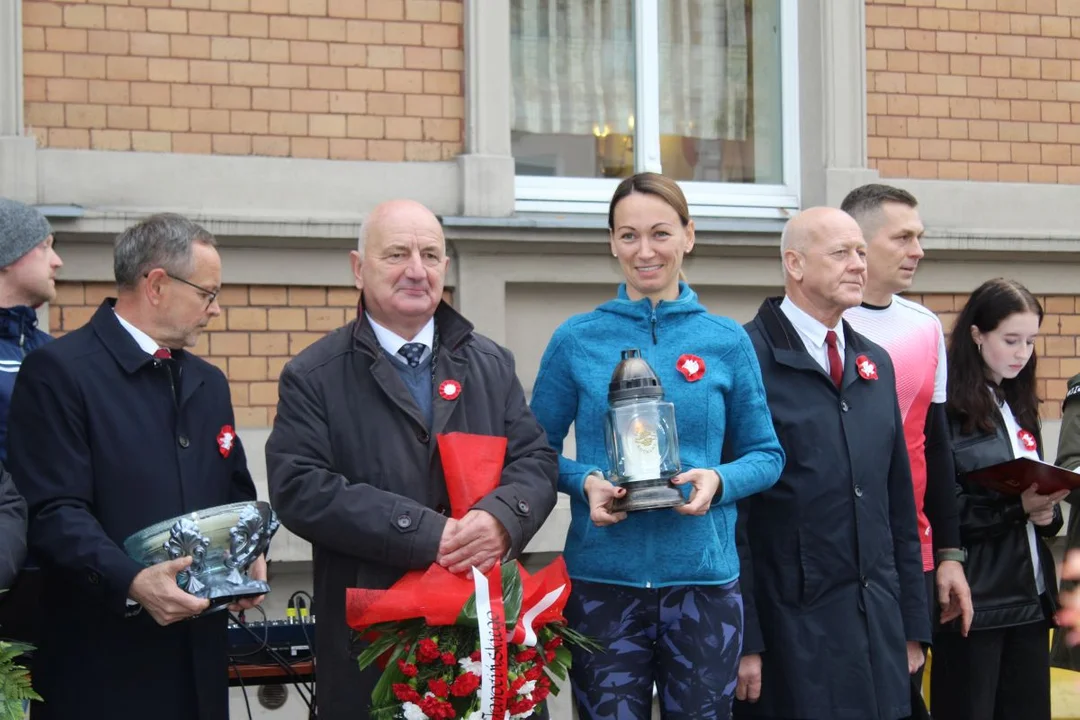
19 334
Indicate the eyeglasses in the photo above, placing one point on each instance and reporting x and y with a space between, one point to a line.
211 295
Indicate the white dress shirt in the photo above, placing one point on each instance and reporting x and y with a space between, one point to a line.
813 333
145 341
391 342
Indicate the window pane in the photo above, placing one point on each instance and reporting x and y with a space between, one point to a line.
720 90
573 78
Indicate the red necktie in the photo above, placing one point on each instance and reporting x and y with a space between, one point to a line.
836 368
163 354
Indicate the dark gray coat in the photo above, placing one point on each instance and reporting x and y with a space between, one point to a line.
12 530
832 576
354 469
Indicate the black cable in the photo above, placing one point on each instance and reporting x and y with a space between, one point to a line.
240 677
299 684
299 594
266 633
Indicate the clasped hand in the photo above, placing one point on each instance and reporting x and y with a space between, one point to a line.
1040 508
477 540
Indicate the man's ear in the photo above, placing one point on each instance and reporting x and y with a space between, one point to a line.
357 262
793 264
155 279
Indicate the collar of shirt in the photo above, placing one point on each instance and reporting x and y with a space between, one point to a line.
810 328
391 342
145 341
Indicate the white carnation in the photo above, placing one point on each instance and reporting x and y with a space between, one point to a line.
413 712
527 688
469 665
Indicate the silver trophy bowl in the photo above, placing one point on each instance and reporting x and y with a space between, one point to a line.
222 541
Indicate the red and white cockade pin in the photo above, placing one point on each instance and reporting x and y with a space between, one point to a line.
866 367
1027 440
225 439
691 366
449 389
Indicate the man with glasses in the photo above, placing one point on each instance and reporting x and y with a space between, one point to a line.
114 427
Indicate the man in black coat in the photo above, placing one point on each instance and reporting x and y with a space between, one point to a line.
835 602
353 459
114 427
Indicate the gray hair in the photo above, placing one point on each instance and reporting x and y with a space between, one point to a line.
160 241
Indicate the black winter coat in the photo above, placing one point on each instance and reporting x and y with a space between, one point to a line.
993 528
832 578
354 469
100 450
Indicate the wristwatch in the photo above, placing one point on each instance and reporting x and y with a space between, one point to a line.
959 555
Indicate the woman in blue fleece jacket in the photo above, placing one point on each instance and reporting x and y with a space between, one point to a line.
658 590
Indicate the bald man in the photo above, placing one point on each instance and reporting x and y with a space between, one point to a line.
353 462
835 603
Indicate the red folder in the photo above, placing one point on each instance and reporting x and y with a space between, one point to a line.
1015 476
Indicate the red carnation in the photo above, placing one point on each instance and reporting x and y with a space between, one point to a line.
549 656
553 643
475 656
407 669
525 655
540 694
521 707
405 693
465 685
427 651
449 659
436 709
534 673
439 687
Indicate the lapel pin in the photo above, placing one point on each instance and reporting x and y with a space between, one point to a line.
691 366
449 389
866 367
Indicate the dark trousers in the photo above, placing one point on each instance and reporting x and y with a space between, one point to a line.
999 674
687 640
934 615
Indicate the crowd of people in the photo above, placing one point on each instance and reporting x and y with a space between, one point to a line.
830 533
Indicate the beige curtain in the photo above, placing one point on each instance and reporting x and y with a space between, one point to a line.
573 67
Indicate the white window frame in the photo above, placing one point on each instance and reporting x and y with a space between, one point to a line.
744 200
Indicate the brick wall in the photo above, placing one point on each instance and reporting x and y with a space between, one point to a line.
262 326
340 79
974 89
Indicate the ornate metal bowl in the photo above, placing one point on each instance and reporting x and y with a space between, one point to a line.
222 541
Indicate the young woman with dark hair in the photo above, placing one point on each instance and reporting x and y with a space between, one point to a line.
1002 668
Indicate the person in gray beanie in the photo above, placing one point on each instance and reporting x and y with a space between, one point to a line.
28 266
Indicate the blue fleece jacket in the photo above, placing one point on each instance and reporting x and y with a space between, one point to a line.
19 334
723 423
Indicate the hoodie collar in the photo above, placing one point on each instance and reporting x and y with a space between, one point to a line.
17 321
686 304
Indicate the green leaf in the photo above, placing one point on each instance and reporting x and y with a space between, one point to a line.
512 590
562 655
557 669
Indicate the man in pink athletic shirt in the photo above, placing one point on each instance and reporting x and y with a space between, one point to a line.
912 336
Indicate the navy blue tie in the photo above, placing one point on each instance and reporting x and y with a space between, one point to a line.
412 352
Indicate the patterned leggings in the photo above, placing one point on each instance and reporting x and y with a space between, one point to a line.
686 639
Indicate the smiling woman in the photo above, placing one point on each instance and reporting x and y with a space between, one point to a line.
635 572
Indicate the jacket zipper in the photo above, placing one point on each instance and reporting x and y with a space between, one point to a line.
22 342
652 324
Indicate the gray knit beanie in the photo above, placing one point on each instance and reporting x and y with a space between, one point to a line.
22 228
